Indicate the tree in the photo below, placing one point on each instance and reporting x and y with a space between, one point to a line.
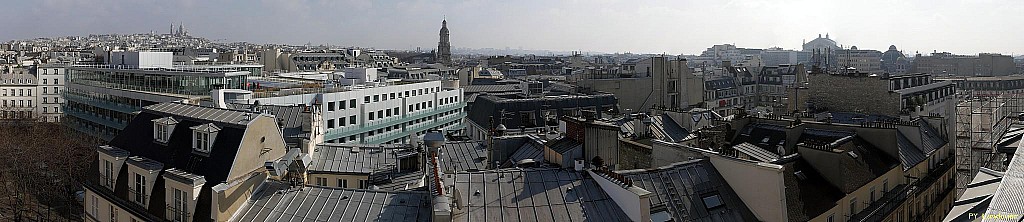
42 167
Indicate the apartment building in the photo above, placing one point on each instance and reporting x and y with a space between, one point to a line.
33 92
814 171
656 81
948 64
860 60
182 162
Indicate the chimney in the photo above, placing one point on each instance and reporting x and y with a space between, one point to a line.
579 164
589 115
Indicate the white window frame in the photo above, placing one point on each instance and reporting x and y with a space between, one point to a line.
140 195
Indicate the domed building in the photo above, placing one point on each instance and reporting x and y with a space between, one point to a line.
821 43
894 62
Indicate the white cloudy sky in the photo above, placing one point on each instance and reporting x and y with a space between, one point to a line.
671 26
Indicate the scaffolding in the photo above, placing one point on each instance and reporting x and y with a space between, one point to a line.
982 117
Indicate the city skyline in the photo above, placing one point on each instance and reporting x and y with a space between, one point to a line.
605 26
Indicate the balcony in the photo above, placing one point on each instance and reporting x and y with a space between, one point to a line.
178 214
102 104
391 121
884 206
96 119
881 208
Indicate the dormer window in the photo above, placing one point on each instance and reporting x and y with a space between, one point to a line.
162 129
203 137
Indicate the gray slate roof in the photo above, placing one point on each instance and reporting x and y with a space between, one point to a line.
662 128
1009 198
276 202
757 153
355 159
680 189
228 116
534 195
463 156
527 151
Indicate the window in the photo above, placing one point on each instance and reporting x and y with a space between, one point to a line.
831 218
363 184
179 209
380 113
95 206
330 124
203 137
376 98
366 99
162 128
320 181
712 201
341 105
113 213
108 172
29 92
342 183
202 141
853 206
872 194
352 120
140 189
352 103
371 116
330 106
341 122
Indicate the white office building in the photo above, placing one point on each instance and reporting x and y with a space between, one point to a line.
377 113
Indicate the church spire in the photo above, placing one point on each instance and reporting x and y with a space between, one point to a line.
444 47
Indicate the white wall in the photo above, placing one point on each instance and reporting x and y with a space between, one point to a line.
632 200
143 59
766 198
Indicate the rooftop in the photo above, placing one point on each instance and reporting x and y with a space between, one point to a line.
228 116
533 195
276 201
463 156
690 191
357 159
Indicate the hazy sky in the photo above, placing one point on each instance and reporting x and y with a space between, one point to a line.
675 26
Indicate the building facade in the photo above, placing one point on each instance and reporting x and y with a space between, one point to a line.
181 162
374 114
33 93
101 99
948 64
861 60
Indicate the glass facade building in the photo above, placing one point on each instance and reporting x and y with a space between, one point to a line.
101 100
